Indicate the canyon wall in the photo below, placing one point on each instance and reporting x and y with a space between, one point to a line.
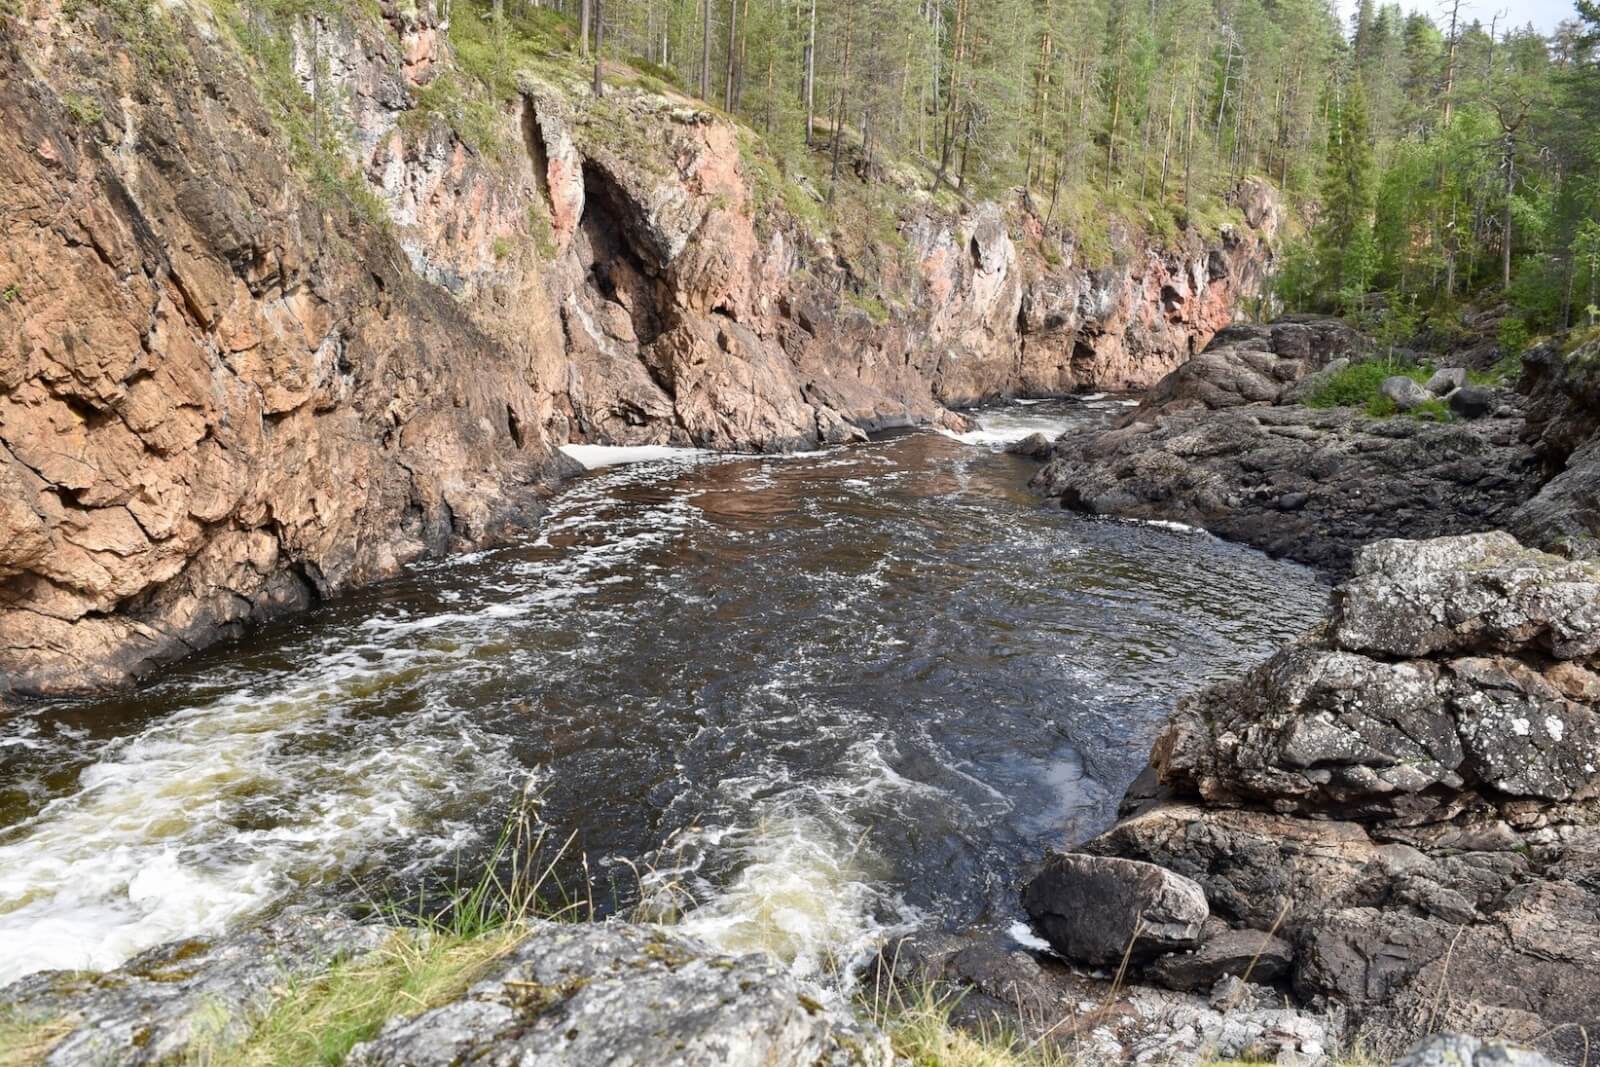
237 375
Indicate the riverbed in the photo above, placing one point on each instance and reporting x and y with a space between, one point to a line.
807 700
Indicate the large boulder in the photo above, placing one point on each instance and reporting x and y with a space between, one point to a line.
1246 364
1447 380
1406 393
1408 795
1097 910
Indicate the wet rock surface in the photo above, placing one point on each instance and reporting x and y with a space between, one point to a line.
1401 807
1312 485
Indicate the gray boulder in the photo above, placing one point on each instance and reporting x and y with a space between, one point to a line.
577 994
1254 955
1405 392
1472 402
1447 380
1096 909
155 1007
1459 1050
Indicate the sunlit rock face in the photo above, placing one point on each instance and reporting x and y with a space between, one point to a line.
226 390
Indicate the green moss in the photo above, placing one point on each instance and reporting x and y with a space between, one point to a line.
543 237
870 304
141 27
84 108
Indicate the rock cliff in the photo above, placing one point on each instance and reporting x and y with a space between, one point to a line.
273 325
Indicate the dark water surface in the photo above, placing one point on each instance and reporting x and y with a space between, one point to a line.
813 697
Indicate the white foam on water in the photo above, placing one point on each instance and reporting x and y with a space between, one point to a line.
224 808
1089 398
594 457
220 810
1168 524
801 896
1005 427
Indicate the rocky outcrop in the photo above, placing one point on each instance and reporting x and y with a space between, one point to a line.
1563 425
238 373
565 994
1249 364
583 994
1224 444
1407 797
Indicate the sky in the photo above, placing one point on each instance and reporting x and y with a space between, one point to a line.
1544 14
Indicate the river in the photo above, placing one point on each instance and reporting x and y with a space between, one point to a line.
814 699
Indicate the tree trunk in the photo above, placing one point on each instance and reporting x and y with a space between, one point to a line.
599 48
583 26
733 54
811 77
705 51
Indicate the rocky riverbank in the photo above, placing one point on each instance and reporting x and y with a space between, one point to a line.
1227 444
1388 829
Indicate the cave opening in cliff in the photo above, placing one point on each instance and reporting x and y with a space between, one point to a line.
616 266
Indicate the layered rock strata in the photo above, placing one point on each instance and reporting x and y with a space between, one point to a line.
234 379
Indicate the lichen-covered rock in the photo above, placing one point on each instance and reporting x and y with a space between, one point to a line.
183 996
1480 593
1408 795
573 995
1097 910
1461 1050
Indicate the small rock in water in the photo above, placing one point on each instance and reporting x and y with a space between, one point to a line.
1034 446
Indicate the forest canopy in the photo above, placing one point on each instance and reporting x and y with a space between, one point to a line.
1433 157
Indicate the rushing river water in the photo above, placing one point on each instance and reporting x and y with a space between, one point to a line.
819 696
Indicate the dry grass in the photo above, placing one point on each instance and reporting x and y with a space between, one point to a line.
26 1040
